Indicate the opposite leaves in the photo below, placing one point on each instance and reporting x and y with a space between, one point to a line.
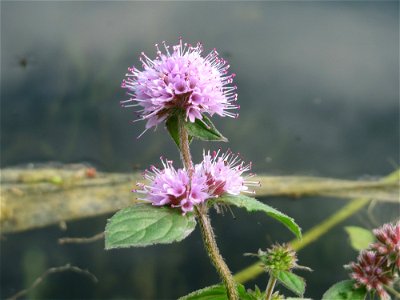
144 225
251 204
173 128
202 129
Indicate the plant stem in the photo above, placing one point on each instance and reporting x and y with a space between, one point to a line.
184 145
270 287
213 253
393 291
204 221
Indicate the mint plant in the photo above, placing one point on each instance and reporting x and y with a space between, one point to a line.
376 270
181 89
279 262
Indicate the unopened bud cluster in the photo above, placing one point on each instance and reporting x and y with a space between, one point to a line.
278 258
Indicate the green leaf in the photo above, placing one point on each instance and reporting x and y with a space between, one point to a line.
143 225
216 292
204 130
172 125
360 238
291 281
344 290
251 204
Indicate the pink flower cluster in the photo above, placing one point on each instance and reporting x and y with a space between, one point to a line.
180 79
388 243
370 271
224 173
213 177
379 264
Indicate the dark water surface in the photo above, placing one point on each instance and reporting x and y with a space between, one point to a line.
318 84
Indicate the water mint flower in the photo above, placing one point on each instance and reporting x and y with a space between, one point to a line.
224 173
174 188
371 271
180 79
388 243
213 177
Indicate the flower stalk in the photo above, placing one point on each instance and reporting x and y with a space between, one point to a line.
214 254
270 287
184 145
203 219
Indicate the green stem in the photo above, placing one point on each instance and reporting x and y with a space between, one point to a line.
184 145
204 222
392 291
270 287
214 254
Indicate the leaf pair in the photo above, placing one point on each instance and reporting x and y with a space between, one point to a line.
202 129
144 225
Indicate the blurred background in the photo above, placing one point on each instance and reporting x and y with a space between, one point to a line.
318 85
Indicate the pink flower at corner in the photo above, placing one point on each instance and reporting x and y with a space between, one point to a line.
180 79
370 271
388 243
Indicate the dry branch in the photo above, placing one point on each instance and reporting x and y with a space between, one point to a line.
81 240
40 196
50 271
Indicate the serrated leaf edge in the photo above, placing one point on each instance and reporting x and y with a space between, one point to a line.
271 212
185 234
285 285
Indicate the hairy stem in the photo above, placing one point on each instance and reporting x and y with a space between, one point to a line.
204 222
270 287
184 145
213 252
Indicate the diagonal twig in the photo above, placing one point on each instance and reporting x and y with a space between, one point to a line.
50 271
81 240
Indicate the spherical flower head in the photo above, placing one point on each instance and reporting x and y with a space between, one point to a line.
278 258
174 188
180 79
224 173
371 271
388 243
